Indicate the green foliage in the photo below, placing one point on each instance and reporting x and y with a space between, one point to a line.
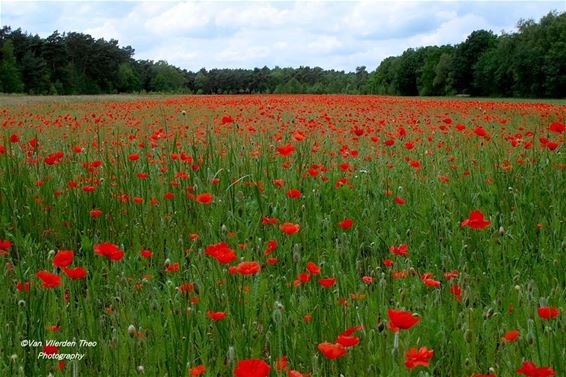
528 63
10 80
167 78
128 79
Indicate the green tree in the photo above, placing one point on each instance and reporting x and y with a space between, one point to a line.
466 56
167 78
128 79
10 79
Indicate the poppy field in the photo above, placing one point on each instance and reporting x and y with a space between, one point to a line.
256 236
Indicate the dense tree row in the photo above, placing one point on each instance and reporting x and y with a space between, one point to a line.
76 63
528 63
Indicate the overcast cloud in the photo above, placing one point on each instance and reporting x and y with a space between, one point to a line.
230 34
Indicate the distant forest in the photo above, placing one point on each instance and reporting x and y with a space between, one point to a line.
528 63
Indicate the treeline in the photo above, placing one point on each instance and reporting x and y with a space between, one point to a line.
528 63
76 63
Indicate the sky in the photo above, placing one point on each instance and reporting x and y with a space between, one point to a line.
338 35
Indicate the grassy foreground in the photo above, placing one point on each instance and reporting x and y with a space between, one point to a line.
319 234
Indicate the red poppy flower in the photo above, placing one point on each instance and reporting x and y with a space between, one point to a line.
530 369
95 212
279 183
451 275
551 145
226 119
401 319
290 228
221 252
304 277
75 273
247 268
281 363
286 150
24 286
205 198
197 371
5 245
398 200
510 336
216 316
252 368
134 157
346 224
63 258
109 251
557 127
457 292
294 193
327 282
172 267
431 282
313 268
475 221
146 253
480 131
399 250
50 350
267 220
548 312
414 358
347 341
49 280
332 351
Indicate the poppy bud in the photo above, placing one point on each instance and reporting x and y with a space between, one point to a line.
395 351
296 253
380 325
543 302
196 288
277 314
501 231
468 336
530 333
230 356
131 330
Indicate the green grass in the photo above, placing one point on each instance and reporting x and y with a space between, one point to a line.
511 263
